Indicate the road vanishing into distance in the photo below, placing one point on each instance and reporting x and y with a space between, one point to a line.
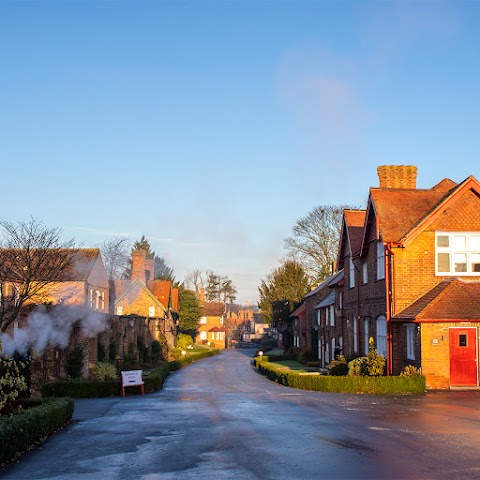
219 419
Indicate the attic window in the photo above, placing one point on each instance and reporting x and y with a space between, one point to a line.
457 253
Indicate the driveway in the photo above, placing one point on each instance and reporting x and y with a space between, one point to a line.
218 418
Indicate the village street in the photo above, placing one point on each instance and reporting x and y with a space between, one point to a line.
218 418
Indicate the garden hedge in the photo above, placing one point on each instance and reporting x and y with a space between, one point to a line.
111 388
343 384
26 427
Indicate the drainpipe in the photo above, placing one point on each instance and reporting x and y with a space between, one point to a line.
389 272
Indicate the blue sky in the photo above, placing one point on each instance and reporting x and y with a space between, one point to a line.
212 126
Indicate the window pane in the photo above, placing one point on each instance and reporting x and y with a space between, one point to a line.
475 242
475 262
443 241
460 262
459 242
463 340
443 262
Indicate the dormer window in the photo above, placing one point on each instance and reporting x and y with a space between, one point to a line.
457 253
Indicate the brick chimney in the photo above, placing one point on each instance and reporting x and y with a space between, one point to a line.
139 258
397 176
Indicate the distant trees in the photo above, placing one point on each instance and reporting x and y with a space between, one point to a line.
32 256
314 240
115 257
219 288
195 280
282 291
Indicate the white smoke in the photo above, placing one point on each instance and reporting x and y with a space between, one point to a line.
51 327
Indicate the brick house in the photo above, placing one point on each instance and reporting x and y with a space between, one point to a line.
299 327
211 326
153 302
323 323
413 284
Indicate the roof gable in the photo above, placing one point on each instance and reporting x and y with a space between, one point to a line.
138 286
353 224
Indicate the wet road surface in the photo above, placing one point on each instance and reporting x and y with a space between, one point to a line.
219 419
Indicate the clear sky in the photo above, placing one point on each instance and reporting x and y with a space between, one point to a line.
212 126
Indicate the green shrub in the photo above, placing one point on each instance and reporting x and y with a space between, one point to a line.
375 363
184 341
12 383
410 370
75 362
25 428
104 371
358 367
131 361
344 384
338 366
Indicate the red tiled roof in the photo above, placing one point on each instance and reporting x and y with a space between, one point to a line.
213 309
451 299
299 311
161 289
218 329
399 210
355 220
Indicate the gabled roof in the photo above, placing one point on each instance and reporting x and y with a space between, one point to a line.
351 235
161 289
298 312
402 214
213 309
218 329
138 284
451 299
332 280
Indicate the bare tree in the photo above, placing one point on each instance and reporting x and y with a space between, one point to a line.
314 240
32 257
195 280
115 255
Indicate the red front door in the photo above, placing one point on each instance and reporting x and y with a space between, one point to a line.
463 357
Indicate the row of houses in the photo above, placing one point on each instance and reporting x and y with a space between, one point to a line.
82 307
408 275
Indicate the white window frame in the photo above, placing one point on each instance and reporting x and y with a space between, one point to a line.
381 343
351 272
468 250
203 335
365 273
366 335
331 315
410 336
151 311
203 320
119 310
380 260
318 317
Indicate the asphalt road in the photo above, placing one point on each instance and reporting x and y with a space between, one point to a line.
219 419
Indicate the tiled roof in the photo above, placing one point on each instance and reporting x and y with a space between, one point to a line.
327 301
355 220
218 329
331 280
399 210
161 289
213 309
299 311
451 299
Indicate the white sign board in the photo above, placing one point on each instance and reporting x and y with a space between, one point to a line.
131 378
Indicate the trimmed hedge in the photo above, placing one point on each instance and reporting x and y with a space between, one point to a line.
343 384
20 431
95 389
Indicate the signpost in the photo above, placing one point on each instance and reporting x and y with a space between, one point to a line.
132 378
